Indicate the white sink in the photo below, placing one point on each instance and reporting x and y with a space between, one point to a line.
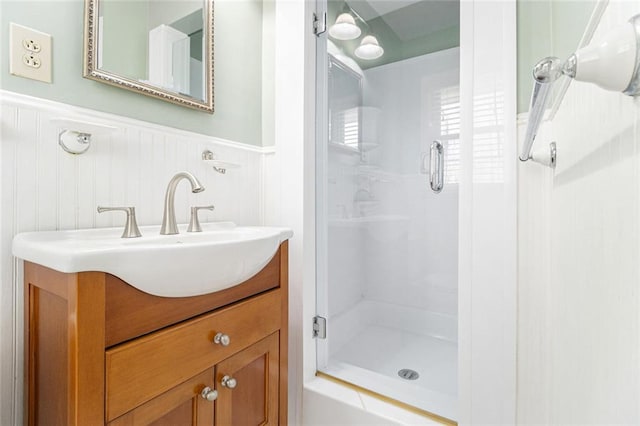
186 264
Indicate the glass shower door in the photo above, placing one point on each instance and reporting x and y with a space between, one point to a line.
388 205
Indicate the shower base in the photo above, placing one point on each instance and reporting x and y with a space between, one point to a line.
373 341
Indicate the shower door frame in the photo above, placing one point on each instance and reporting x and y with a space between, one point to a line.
321 171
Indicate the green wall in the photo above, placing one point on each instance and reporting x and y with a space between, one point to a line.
238 70
547 28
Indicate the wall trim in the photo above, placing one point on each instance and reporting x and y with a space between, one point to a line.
72 111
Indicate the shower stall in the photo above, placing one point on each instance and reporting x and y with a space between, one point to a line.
388 164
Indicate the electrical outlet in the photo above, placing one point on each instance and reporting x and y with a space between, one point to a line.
31 61
31 45
30 53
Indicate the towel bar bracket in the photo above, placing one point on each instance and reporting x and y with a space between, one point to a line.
547 158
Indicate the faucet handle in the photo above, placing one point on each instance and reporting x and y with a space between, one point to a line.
131 226
194 223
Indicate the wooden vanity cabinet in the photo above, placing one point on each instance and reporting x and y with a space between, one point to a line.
182 405
256 371
98 351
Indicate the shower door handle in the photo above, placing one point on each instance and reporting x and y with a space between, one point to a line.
436 166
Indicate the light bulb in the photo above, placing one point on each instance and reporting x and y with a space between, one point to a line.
345 28
369 48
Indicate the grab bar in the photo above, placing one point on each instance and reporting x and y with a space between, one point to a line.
436 166
545 73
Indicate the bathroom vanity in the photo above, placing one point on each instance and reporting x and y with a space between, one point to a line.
100 351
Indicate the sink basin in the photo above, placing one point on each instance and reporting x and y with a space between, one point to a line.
186 264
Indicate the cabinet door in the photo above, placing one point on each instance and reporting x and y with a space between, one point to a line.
182 405
252 397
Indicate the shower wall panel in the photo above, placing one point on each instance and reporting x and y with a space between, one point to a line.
411 251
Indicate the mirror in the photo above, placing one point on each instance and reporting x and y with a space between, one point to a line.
160 48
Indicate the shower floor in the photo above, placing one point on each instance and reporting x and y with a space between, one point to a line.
372 356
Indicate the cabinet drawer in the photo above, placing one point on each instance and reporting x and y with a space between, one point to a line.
142 369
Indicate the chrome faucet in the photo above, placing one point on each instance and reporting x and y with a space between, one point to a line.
169 226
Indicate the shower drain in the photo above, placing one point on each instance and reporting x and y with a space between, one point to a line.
408 374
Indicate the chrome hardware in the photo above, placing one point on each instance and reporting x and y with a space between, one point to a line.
131 226
408 374
222 339
553 155
436 167
228 382
545 73
194 223
169 226
612 63
570 66
210 156
209 394
319 27
74 142
319 327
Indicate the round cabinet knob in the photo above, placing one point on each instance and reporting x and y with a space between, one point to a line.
229 382
209 394
222 339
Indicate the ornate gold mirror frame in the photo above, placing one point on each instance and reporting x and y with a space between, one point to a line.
93 72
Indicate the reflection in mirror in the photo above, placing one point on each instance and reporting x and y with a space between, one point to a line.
162 48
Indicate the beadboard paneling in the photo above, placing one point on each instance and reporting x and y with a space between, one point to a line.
131 166
579 275
44 188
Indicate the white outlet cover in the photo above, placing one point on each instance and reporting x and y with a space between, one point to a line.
20 57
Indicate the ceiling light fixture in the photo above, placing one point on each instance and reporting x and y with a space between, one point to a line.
369 48
345 28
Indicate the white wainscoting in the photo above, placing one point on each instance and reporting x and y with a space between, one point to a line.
45 188
579 244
